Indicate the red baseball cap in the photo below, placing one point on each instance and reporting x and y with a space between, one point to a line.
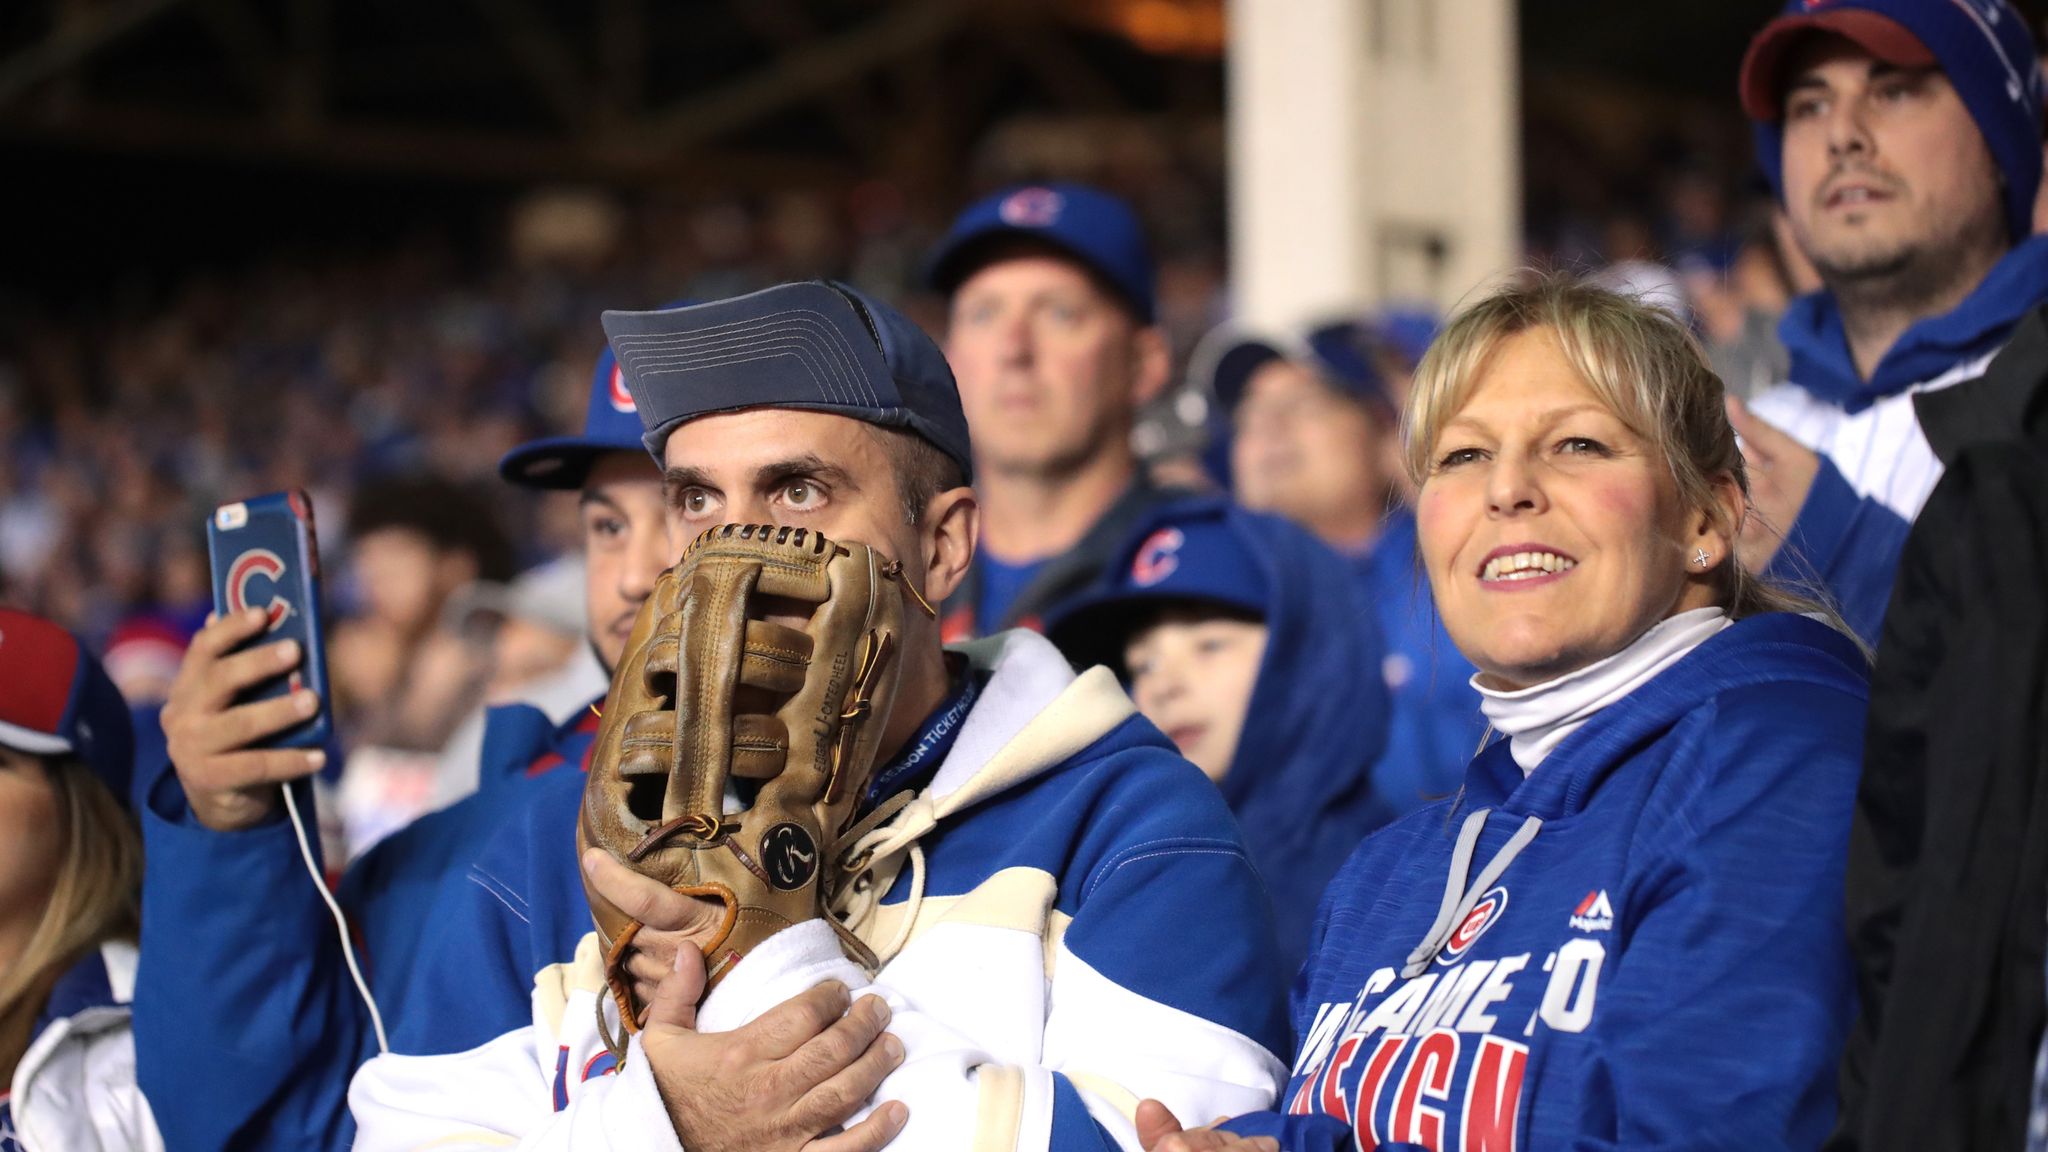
1762 82
56 700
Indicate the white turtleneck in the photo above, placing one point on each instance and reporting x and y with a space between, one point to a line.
1537 719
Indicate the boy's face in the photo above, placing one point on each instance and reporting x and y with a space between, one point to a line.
1191 673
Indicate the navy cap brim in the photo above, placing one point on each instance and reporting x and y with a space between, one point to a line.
1093 628
967 253
556 463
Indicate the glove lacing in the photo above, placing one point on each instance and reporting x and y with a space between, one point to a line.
872 856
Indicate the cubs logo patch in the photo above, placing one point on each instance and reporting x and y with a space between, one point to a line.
1031 208
1158 557
622 400
1474 925
257 564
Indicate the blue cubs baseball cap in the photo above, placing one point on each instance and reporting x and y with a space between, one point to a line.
1095 228
1340 353
1982 46
611 424
817 345
1184 552
56 700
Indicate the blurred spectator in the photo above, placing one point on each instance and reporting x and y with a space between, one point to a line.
1316 438
538 655
1054 339
1904 139
404 674
399 673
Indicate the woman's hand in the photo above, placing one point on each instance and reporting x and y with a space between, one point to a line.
1159 1131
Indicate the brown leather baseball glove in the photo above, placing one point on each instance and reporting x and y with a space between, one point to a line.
768 656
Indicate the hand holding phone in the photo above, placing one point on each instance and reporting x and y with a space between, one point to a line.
248 709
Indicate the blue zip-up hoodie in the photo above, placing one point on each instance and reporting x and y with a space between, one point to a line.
1302 782
1660 963
1850 531
247 1024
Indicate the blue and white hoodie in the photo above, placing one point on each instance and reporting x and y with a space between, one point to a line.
1049 940
74 1089
1877 466
1639 944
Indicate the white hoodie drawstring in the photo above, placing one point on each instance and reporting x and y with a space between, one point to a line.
1459 898
866 851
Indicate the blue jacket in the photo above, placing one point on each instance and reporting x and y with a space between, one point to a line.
1663 965
1844 539
1434 726
1132 842
247 1025
1303 780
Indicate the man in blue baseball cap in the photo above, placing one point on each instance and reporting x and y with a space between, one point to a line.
1036 851
1904 138
1052 332
246 965
1315 437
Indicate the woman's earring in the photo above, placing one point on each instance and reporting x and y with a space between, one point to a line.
1701 558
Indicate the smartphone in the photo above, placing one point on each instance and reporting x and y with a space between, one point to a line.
265 555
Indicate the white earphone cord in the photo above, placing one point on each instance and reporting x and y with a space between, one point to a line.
348 951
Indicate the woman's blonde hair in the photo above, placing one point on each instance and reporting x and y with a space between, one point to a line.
1645 367
96 897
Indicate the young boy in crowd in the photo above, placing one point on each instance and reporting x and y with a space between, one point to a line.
1245 640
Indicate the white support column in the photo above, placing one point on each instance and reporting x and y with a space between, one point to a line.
1374 153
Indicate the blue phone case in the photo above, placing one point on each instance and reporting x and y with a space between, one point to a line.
265 555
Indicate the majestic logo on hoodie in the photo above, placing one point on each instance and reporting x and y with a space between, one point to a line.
1594 913
1474 925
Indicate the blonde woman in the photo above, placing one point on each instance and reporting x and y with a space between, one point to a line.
1626 930
70 865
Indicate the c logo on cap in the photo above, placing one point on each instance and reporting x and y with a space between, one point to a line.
622 400
247 567
1031 208
1157 557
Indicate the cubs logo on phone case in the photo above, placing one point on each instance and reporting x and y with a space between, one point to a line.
265 555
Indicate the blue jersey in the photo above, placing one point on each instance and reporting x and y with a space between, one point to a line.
1642 940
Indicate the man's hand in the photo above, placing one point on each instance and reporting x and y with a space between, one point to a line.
228 784
1160 1131
672 923
784 1082
1781 472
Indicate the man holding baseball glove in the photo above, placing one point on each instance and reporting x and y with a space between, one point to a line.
849 887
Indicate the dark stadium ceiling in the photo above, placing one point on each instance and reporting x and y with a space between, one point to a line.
603 89
632 90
